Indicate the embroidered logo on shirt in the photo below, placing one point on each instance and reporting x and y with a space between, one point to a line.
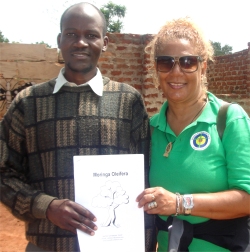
200 140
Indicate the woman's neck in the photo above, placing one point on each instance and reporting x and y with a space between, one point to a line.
179 116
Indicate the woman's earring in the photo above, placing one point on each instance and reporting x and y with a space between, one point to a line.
203 80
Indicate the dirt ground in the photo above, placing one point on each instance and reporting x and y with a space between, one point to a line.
12 238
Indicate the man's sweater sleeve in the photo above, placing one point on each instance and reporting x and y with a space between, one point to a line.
24 202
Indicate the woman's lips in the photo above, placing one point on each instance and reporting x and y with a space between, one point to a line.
176 85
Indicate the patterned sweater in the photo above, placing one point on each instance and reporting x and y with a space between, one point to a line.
40 134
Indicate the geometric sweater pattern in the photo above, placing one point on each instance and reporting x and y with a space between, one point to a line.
40 134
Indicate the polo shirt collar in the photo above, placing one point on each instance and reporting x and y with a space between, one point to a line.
160 120
96 83
208 115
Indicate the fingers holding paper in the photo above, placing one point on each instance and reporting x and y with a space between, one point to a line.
70 216
157 200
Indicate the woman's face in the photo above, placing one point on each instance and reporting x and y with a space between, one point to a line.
179 86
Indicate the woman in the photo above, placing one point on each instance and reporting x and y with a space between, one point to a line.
199 183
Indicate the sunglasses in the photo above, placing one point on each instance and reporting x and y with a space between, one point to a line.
188 64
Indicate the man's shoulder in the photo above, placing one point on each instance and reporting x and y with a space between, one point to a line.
111 85
44 87
37 89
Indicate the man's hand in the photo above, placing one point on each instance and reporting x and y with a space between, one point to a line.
70 216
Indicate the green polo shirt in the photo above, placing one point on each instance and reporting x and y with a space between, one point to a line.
199 161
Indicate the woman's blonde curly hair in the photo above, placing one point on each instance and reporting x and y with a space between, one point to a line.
182 28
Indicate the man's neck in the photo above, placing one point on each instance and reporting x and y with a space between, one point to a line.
78 77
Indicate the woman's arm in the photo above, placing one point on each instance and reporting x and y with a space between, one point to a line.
221 205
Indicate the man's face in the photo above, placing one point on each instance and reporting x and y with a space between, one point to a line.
81 42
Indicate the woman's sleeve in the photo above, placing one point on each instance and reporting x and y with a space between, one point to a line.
236 142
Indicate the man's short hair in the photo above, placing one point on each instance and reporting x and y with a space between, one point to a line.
84 3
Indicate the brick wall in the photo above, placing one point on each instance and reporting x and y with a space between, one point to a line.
229 77
125 61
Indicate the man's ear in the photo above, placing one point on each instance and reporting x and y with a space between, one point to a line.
58 40
105 44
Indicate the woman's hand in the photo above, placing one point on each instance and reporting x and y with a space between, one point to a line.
165 201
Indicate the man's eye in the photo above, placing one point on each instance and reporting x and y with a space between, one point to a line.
92 36
70 34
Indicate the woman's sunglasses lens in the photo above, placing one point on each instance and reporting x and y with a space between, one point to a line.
165 64
189 63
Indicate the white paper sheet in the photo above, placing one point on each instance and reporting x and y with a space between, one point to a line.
108 185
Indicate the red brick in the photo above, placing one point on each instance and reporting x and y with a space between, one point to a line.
116 73
124 80
121 48
152 110
138 87
109 66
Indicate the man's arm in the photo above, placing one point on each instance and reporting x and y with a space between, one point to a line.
25 202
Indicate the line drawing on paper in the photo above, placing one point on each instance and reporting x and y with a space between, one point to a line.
111 196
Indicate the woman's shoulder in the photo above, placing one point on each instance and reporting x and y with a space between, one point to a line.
235 111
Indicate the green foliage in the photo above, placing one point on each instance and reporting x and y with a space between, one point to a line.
113 13
3 39
218 50
42 42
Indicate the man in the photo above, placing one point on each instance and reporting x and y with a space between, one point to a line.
78 113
